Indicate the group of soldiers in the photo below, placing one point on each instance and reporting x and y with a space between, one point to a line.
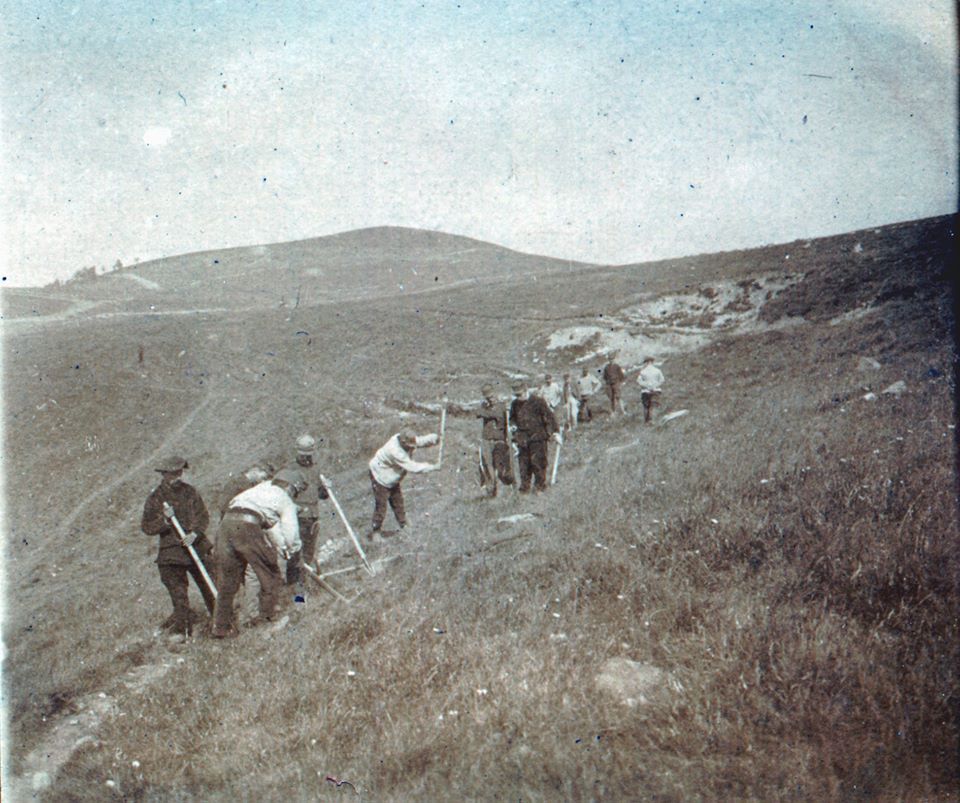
266 515
538 414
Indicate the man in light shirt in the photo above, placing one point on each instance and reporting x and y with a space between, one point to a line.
392 462
551 392
571 405
650 381
587 384
259 526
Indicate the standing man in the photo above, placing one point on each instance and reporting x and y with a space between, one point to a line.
534 424
552 393
259 526
388 467
650 381
494 452
613 376
587 384
308 508
174 497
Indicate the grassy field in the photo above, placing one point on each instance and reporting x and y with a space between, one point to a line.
782 558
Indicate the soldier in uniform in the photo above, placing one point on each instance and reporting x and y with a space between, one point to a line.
494 452
613 376
174 497
308 504
534 424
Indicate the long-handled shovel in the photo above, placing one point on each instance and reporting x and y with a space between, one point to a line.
350 532
443 428
556 464
194 556
514 467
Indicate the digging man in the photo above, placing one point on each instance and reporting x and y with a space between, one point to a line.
388 467
259 527
308 509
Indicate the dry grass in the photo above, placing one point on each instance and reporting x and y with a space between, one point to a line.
786 553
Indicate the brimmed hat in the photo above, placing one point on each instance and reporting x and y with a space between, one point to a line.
648 359
487 390
519 384
170 464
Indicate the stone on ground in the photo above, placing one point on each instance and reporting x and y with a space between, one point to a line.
633 683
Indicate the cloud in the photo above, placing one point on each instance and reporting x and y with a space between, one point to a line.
156 136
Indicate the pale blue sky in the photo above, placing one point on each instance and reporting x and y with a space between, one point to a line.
607 132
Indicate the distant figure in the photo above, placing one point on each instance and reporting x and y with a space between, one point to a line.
551 392
260 526
388 467
571 405
174 497
613 376
140 355
587 385
308 509
494 452
650 381
534 424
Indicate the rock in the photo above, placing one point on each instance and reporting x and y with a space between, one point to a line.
632 682
869 396
896 389
867 364
517 518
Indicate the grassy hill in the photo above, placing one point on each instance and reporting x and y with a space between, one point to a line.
782 558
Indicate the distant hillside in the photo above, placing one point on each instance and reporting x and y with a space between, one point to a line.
358 264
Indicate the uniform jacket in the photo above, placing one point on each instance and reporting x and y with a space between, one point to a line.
494 420
308 500
192 515
392 462
534 420
613 374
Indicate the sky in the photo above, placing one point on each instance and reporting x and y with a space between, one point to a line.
608 132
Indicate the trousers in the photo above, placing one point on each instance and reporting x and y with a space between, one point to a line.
381 496
241 544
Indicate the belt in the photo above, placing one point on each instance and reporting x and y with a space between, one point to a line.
250 516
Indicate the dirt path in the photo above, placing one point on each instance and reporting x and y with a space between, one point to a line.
104 490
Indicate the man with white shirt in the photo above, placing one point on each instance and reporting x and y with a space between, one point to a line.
392 462
259 526
587 384
551 392
650 381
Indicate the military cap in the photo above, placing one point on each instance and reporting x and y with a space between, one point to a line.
519 385
487 389
305 444
171 464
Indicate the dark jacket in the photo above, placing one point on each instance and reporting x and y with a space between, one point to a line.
534 420
192 515
613 374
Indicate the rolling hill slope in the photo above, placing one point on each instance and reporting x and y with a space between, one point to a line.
781 558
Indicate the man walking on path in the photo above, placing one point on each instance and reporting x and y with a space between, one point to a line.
587 385
308 508
388 467
650 381
174 497
613 376
494 452
551 392
259 526
534 425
